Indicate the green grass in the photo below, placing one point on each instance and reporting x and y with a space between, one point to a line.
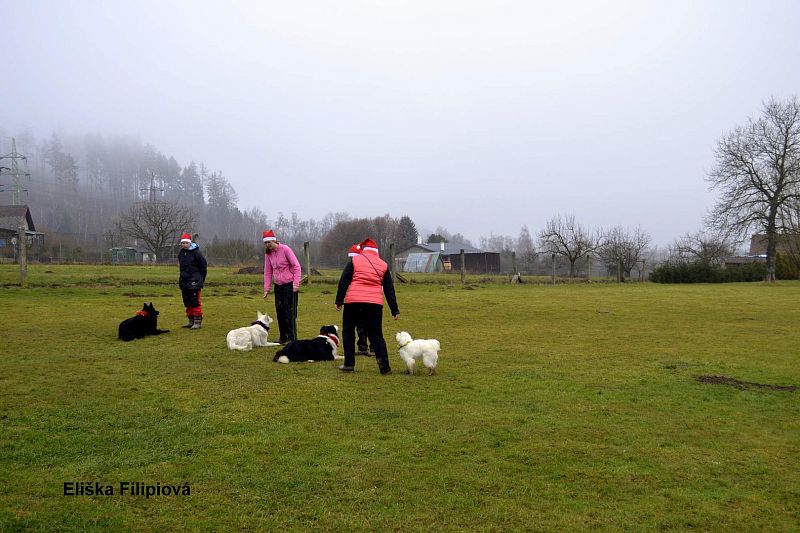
555 407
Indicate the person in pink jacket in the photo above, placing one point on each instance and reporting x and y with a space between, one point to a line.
282 269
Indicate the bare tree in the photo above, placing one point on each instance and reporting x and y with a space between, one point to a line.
156 224
709 248
565 237
758 174
622 250
343 235
526 251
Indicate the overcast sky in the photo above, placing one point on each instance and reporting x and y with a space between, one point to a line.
481 117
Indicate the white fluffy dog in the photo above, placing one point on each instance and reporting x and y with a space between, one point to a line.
425 349
255 334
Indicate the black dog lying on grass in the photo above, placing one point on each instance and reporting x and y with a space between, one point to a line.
320 348
144 323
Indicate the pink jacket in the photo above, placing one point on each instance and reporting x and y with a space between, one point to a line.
281 266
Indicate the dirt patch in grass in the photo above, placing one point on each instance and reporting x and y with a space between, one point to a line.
732 382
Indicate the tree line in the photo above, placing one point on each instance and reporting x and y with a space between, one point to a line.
93 192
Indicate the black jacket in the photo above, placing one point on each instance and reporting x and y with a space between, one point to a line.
193 268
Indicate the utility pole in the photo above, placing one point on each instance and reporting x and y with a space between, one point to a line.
151 194
14 172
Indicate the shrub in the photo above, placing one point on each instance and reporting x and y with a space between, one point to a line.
701 272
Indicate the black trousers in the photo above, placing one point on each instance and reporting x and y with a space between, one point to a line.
286 311
362 343
371 317
191 301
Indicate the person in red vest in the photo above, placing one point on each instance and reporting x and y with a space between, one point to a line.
362 286
282 267
362 343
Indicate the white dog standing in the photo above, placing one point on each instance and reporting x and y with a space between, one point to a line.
254 335
425 349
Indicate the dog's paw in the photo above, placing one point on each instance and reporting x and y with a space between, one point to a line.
283 359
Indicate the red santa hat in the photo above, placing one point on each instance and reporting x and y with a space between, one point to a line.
186 238
269 235
354 250
369 245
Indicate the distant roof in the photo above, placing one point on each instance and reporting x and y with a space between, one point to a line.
10 215
740 259
450 248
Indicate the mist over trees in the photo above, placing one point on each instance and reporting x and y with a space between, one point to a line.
85 190
93 192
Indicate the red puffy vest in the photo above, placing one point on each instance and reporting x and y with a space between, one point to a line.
367 284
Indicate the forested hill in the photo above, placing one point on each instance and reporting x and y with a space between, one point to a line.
79 185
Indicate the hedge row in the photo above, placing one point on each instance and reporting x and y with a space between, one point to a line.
705 273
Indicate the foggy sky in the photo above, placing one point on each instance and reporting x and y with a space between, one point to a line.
481 117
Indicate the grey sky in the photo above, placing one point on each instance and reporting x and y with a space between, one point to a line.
480 117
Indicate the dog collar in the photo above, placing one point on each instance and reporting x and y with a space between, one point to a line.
142 313
332 337
266 327
406 344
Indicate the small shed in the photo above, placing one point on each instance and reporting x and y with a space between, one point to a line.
422 262
10 218
123 254
475 260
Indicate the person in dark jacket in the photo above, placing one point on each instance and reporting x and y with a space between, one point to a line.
364 282
362 343
193 268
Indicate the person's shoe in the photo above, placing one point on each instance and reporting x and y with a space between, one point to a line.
198 320
386 371
345 368
190 323
371 353
361 352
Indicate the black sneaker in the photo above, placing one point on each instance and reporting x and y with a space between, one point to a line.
386 372
361 351
345 368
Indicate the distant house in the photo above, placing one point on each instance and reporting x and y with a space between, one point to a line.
10 218
438 256
739 260
785 243
130 254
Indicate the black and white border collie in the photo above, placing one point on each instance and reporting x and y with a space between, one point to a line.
320 348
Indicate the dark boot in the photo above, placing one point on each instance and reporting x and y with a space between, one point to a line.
190 323
198 320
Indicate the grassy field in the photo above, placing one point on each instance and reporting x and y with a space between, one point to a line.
555 408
